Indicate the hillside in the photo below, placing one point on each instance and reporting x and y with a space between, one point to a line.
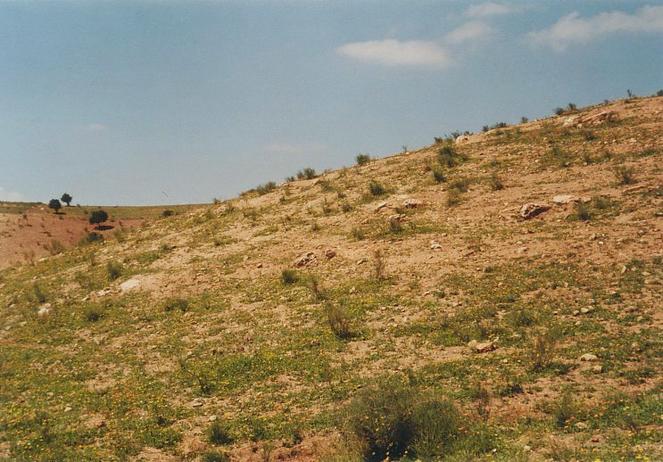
543 330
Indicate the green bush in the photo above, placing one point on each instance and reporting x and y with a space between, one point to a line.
376 189
306 174
495 182
362 159
391 419
218 434
289 276
624 175
114 270
448 157
438 174
339 321
176 303
265 188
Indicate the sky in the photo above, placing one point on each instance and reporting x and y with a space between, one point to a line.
172 101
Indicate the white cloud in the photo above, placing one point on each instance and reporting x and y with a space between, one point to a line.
572 29
392 52
10 196
482 10
473 30
96 127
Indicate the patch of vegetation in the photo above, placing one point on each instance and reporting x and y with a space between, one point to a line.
625 175
363 159
376 189
289 276
114 270
176 303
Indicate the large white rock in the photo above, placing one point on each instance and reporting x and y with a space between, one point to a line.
129 285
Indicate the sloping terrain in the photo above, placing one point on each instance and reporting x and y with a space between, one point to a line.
544 330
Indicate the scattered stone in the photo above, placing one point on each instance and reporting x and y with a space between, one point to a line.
212 418
586 310
412 203
259 265
581 425
103 292
330 253
381 206
597 369
305 259
129 285
197 402
589 357
435 245
68 409
531 210
563 199
44 310
482 347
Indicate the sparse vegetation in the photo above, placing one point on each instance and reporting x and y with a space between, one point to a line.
376 189
114 270
289 276
363 159
624 175
338 320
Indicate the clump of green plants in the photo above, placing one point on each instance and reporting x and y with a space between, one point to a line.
289 276
395 225
376 189
338 320
266 188
582 212
114 270
438 173
564 410
39 294
313 284
306 174
542 351
495 182
362 159
391 419
176 303
557 156
215 456
218 434
93 314
625 175
460 184
448 156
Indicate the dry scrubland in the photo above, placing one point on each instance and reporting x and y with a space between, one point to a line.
270 326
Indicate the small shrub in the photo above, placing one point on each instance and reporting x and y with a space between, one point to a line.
438 174
448 157
559 111
624 175
289 276
495 182
338 320
55 247
55 205
542 351
91 238
589 135
97 217
313 284
358 234
362 159
395 225
376 189
114 270
346 207
460 184
524 120
453 197
214 456
582 212
93 314
176 303
306 174
39 294
379 264
266 188
435 426
564 410
169 213
218 434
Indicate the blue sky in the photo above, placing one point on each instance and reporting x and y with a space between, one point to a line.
148 102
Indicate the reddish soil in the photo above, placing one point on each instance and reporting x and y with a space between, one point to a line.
36 233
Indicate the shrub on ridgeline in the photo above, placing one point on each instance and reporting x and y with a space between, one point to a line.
362 159
66 198
55 205
306 174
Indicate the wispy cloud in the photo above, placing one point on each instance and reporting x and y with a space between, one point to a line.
96 127
391 52
10 196
572 29
483 10
470 31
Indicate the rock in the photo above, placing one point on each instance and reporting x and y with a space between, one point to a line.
399 217
584 310
259 265
129 285
44 310
589 357
581 425
306 259
412 203
330 253
531 210
462 139
381 206
197 402
601 117
212 418
103 292
435 245
569 121
597 369
562 199
482 347
67 409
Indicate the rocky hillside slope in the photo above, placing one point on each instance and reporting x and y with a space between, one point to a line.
517 273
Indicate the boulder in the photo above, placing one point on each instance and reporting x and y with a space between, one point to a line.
330 253
589 357
530 210
44 310
129 285
305 259
412 203
482 347
563 199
